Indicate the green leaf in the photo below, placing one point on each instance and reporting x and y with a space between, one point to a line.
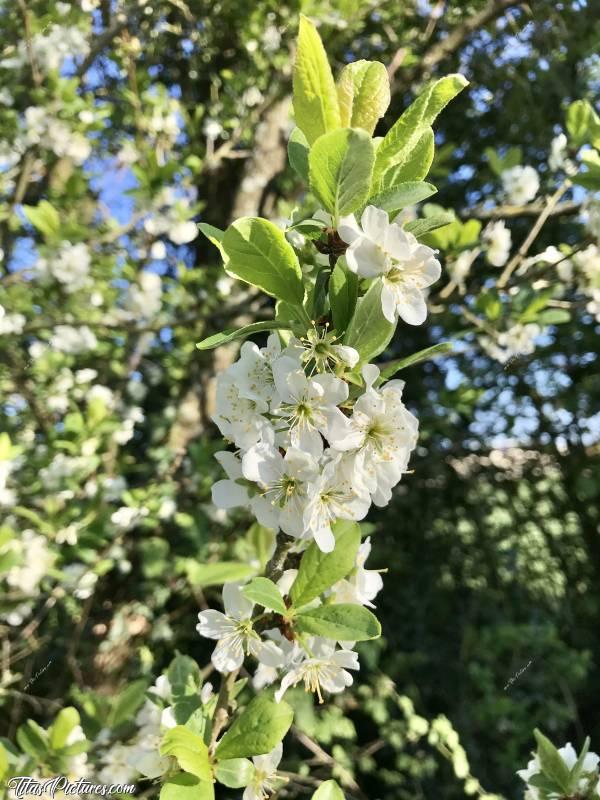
369 332
3 762
234 772
404 194
189 749
553 316
416 166
591 177
231 334
343 291
551 763
391 368
214 235
265 593
184 676
328 790
187 787
127 703
319 571
340 167
33 740
258 253
315 97
217 573
583 124
44 217
298 154
364 94
577 769
59 731
260 727
344 622
413 130
418 227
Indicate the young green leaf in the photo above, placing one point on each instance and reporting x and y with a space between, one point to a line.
216 574
328 790
391 368
265 593
187 787
413 130
369 332
319 571
340 164
213 234
343 291
44 217
33 740
128 702
298 153
184 676
234 772
404 194
59 731
231 334
315 98
552 765
577 769
419 227
344 622
364 94
258 253
260 727
189 750
583 124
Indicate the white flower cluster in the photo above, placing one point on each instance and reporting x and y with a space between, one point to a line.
49 48
54 134
380 248
69 265
517 341
521 184
319 664
588 782
308 454
498 239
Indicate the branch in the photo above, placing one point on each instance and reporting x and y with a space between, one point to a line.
550 204
100 43
451 43
567 208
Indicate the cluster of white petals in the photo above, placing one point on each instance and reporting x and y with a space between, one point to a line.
521 184
307 452
382 249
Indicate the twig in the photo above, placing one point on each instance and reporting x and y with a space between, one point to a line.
533 233
529 210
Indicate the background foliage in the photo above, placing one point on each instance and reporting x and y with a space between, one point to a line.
157 114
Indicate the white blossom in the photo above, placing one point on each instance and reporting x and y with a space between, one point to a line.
71 340
382 249
234 632
517 341
307 405
498 240
264 779
283 482
11 323
521 184
333 496
325 669
362 585
380 435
